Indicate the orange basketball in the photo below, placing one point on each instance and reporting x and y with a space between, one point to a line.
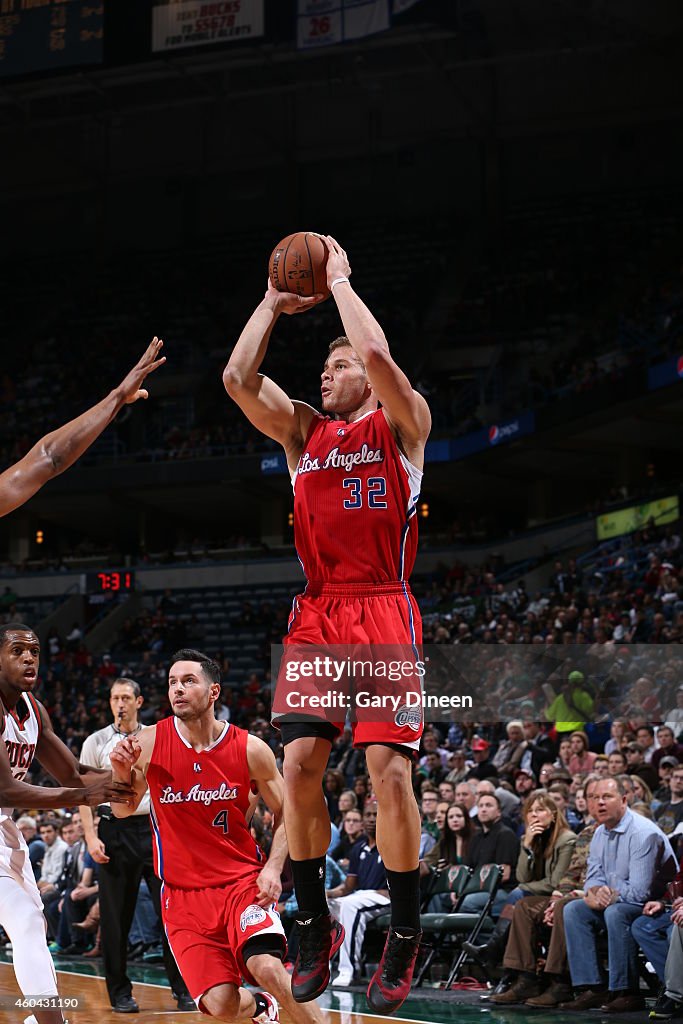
299 263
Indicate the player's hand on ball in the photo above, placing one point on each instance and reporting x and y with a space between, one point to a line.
131 386
289 302
337 261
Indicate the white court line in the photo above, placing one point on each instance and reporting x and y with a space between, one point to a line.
327 1009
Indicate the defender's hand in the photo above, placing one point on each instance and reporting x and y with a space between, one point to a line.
107 791
131 386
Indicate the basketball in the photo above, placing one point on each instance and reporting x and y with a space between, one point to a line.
298 264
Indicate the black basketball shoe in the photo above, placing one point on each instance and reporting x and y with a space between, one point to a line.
390 984
319 939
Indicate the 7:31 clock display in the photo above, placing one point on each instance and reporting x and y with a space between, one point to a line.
110 582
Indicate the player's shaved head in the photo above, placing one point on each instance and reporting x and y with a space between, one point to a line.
10 628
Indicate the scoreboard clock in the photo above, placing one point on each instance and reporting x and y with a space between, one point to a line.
109 581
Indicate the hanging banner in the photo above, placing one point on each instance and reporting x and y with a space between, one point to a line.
326 22
194 23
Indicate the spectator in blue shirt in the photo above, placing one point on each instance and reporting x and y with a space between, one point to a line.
630 863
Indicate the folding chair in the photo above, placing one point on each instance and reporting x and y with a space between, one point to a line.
453 880
485 879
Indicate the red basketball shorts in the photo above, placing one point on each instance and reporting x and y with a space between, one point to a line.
371 636
207 930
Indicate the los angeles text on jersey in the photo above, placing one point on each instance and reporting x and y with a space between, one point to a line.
198 795
341 460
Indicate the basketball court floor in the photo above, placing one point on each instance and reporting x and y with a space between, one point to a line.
82 982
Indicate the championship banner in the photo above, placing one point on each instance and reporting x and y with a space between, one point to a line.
326 22
184 23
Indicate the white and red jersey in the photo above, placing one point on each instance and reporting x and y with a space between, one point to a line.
355 503
23 727
199 801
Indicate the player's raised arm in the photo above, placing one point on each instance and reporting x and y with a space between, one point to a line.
129 763
60 449
404 407
264 771
262 401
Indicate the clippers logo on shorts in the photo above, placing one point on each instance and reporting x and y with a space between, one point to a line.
198 795
412 717
251 916
679 366
340 460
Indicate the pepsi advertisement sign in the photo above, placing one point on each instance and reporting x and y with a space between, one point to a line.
275 463
491 437
663 374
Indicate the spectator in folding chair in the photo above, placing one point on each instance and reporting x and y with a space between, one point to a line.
493 843
544 857
630 863
365 886
532 916
450 850
653 932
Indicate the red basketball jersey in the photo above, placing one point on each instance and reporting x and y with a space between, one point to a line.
355 503
198 806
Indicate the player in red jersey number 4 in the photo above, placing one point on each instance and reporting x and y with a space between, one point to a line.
356 473
219 892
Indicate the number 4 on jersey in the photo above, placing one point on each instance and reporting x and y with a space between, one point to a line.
221 821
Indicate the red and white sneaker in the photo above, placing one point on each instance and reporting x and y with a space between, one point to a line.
270 1014
390 984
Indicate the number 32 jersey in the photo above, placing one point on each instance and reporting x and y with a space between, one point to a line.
198 804
355 503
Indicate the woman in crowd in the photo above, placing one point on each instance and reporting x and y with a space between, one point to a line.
450 850
441 812
617 736
581 805
564 754
347 801
544 856
642 798
334 787
361 787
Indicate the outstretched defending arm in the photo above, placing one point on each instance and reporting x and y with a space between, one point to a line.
60 449
63 765
261 400
405 409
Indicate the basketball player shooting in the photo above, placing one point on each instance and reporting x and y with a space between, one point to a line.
219 893
25 724
27 730
356 536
